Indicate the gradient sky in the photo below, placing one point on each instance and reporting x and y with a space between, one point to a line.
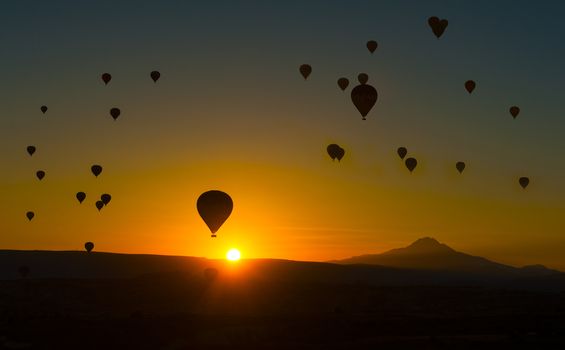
231 112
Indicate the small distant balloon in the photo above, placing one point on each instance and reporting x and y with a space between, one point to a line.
343 83
30 150
23 271
88 246
99 205
40 174
524 181
81 196
105 198
155 75
460 166
363 78
106 77
372 45
411 163
438 25
43 109
30 215
470 86
335 152
214 208
402 152
514 111
96 170
305 70
115 113
364 97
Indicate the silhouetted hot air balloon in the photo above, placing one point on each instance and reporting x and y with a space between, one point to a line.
96 170
210 273
106 77
81 196
364 96
343 83
89 246
155 75
30 215
363 78
115 113
402 152
40 174
305 70
438 25
372 45
24 271
340 154
460 166
411 163
214 208
524 181
470 86
333 149
514 111
99 205
30 150
43 109
105 198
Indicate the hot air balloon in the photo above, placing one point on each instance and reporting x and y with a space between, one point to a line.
364 96
514 111
305 70
363 78
340 154
524 181
105 198
214 208
40 174
460 166
335 152
470 86
43 109
115 113
23 271
30 150
99 205
106 77
438 25
30 215
343 83
372 45
411 164
155 75
89 246
81 196
402 152
96 170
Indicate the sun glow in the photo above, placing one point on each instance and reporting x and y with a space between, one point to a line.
233 254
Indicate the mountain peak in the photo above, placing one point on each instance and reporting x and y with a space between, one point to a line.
428 244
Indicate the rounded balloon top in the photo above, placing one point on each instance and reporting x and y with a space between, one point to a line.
343 83
470 86
524 181
30 150
411 164
514 111
335 152
105 198
115 113
460 166
305 70
155 75
106 77
40 174
88 246
81 196
30 215
372 45
99 205
214 208
438 25
43 109
363 78
402 152
96 169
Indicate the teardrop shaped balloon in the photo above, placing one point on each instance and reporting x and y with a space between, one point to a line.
514 111
411 163
99 205
460 166
524 181
43 109
363 78
105 198
305 70
81 196
438 25
340 154
333 150
364 97
155 75
88 246
402 152
343 83
372 46
470 86
30 215
40 174
214 208
30 150
106 77
96 169
115 113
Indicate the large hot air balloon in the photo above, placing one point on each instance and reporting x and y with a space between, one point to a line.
81 196
402 152
372 46
30 215
99 205
438 25
40 174
155 75
470 86
105 198
364 96
96 169
214 208
30 150
88 246
115 113
43 109
335 152
343 83
514 111
411 164
460 166
524 181
305 70
106 77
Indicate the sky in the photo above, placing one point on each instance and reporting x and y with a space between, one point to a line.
231 112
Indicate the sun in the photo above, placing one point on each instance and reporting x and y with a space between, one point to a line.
233 254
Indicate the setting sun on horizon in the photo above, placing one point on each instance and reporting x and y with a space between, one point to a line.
233 254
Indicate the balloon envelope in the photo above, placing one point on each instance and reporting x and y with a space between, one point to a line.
363 78
514 111
30 215
214 208
105 198
99 205
470 86
402 152
40 174
96 170
106 77
524 182
411 163
460 166
43 109
343 83
30 150
364 98
305 70
333 150
340 154
81 196
438 25
115 113
89 246
372 46
155 75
